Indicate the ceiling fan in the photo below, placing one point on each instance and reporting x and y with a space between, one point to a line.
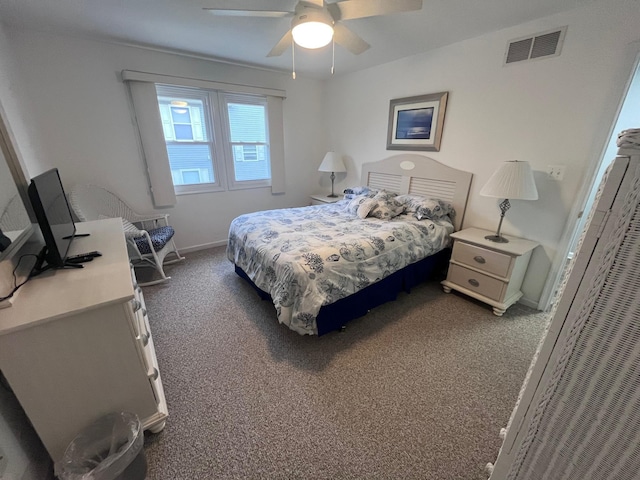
315 23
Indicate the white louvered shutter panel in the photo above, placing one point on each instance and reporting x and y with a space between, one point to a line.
167 127
197 124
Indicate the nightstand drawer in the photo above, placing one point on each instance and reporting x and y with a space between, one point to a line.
482 258
476 282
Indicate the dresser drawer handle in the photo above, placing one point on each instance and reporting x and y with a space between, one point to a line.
136 305
474 282
479 259
145 339
154 375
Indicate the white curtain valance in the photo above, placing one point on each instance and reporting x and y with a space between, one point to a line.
132 75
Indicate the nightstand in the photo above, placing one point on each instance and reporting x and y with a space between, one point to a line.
488 271
319 199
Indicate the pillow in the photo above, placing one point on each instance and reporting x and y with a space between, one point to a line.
361 206
386 207
423 207
410 202
354 192
434 209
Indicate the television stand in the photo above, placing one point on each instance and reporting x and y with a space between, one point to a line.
42 265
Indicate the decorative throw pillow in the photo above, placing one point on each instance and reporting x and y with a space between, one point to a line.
353 192
434 209
361 206
423 207
410 202
386 206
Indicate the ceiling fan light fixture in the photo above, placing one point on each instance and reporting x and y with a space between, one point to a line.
312 29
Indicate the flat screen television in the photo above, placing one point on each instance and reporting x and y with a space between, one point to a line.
54 218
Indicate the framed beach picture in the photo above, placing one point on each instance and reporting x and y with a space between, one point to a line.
415 123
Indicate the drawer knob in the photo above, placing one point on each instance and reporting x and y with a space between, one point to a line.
479 259
145 339
474 282
154 375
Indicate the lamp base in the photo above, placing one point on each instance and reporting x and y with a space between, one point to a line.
332 195
497 238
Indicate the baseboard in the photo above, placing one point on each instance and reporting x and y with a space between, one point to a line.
528 303
204 246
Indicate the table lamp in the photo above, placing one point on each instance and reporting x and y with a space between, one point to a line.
332 163
513 180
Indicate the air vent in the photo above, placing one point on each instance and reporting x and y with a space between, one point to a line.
542 45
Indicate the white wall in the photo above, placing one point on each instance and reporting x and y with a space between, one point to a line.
551 111
548 112
22 452
79 120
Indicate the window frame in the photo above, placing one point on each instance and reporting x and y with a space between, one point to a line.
224 99
218 131
143 100
209 102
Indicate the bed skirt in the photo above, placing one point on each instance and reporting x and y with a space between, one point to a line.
335 315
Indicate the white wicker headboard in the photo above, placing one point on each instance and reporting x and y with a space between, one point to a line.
420 175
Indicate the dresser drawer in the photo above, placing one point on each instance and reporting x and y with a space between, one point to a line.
481 258
476 282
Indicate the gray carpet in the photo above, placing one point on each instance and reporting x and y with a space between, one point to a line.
418 388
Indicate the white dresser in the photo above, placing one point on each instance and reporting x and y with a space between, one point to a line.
488 271
76 344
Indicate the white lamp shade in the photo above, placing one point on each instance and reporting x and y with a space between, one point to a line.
513 180
332 163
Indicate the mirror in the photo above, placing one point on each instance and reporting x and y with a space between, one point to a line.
14 219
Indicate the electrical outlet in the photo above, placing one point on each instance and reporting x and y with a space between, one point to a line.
556 172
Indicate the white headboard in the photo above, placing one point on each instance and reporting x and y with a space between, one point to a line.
420 175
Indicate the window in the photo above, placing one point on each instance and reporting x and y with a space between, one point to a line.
186 128
247 121
201 135
215 140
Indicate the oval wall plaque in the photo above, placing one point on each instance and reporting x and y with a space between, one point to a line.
407 165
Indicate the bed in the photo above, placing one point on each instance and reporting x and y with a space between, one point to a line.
324 265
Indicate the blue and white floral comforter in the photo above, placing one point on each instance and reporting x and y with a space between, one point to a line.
313 256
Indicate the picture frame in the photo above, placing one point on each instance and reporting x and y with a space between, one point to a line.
415 123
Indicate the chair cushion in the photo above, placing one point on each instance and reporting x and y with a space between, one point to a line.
159 237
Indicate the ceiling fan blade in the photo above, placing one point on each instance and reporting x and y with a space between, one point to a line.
281 46
350 9
315 3
349 40
225 12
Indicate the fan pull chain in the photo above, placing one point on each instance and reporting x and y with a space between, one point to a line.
293 58
333 54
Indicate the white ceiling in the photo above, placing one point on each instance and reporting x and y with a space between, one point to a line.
182 26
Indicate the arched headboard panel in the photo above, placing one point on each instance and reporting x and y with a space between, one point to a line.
420 175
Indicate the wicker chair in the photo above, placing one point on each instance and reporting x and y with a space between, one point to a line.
149 237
